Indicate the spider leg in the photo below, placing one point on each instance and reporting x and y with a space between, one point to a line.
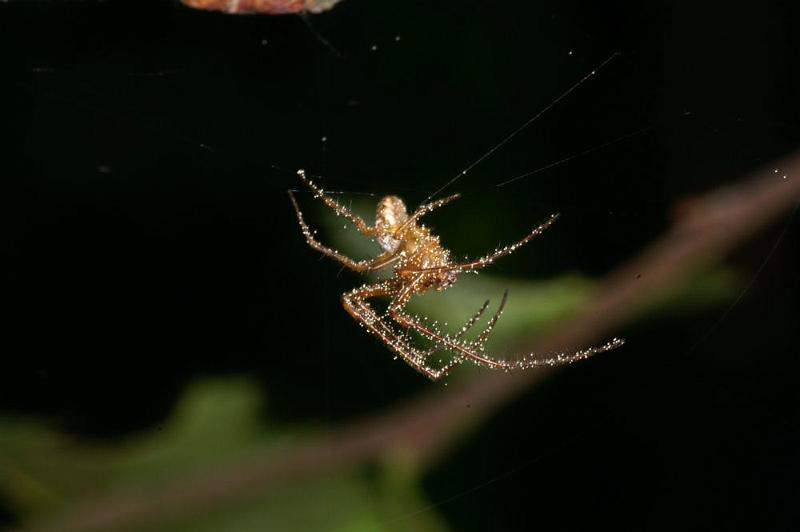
458 359
466 327
492 322
355 304
425 209
338 208
396 311
470 322
360 266
483 334
467 350
488 259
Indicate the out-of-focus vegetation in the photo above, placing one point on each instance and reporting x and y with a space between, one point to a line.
218 423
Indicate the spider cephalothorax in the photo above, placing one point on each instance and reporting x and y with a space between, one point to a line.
419 264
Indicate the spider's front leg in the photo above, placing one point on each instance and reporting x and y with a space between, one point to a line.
337 207
488 259
359 266
425 209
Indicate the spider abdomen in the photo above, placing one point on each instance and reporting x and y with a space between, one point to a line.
422 250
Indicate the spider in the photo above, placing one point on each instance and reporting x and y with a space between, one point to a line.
420 264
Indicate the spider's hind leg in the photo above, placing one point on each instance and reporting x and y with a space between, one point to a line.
355 304
483 335
459 349
462 350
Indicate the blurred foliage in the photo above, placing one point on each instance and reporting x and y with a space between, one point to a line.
217 423
534 306
220 423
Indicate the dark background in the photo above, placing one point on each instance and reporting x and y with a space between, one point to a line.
147 238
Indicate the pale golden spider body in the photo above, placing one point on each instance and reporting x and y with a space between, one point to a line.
416 247
419 263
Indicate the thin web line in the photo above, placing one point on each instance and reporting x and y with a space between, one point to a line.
523 126
317 35
750 284
572 440
574 156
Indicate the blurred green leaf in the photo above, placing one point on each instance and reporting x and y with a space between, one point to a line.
534 306
217 423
